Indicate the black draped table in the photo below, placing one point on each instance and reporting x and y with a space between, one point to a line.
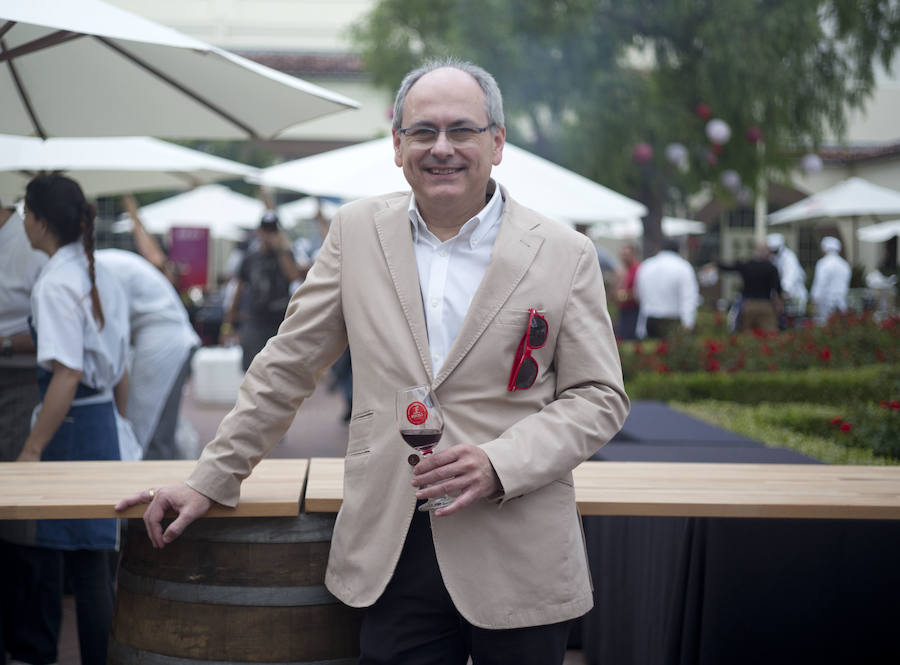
735 590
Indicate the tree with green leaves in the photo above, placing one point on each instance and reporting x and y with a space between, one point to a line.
623 91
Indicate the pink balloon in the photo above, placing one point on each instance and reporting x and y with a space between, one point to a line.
642 153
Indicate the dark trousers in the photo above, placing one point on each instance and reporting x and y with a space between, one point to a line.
414 621
658 328
31 627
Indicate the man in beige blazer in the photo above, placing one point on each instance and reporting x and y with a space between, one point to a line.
436 289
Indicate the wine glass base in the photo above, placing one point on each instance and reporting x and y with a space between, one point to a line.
435 503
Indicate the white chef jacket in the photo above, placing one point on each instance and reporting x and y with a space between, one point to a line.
666 288
793 279
450 272
831 282
161 336
66 329
20 266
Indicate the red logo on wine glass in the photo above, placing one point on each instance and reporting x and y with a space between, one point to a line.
416 413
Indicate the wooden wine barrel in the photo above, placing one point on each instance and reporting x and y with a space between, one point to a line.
232 590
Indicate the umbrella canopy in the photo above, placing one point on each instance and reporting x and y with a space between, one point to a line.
368 169
879 232
306 208
105 166
86 68
223 211
634 228
854 197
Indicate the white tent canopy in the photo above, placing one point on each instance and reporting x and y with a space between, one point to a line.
368 169
226 213
86 68
106 166
634 228
879 232
854 197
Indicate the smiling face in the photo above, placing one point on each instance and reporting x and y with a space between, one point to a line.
449 180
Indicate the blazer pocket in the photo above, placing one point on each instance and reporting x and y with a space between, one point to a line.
360 430
511 316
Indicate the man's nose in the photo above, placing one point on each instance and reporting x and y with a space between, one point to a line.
443 146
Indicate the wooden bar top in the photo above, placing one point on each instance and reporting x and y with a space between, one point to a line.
698 490
30 490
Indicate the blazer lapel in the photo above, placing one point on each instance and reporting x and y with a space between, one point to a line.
395 236
514 251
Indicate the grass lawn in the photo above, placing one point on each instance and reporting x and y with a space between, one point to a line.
769 424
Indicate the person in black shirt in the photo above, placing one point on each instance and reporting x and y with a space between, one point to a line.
760 293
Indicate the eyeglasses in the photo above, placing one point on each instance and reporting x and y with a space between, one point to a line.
424 136
525 368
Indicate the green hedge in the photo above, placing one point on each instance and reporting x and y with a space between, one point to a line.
872 383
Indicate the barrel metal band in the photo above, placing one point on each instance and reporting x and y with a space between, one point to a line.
120 653
292 596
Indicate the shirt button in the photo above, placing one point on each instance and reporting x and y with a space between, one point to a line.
443 252
413 459
435 302
474 242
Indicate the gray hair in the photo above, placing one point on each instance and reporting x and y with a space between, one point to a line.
493 100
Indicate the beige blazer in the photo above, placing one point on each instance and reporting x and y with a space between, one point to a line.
511 563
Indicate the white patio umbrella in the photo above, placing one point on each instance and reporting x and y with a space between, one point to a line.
367 169
106 166
854 197
86 68
304 209
879 232
851 199
226 213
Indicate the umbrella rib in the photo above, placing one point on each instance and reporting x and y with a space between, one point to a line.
175 84
53 39
22 94
9 25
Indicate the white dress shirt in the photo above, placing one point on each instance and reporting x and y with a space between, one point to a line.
450 272
666 288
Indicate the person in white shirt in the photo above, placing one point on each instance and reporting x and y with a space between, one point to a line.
80 318
667 292
793 279
162 341
21 266
831 281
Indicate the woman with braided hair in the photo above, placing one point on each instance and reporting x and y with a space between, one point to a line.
80 319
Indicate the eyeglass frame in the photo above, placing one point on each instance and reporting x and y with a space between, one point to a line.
404 131
523 352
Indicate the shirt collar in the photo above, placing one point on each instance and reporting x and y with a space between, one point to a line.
476 228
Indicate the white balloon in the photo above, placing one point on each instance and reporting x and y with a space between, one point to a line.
811 163
718 131
677 154
730 179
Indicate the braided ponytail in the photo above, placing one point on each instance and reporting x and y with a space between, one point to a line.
87 238
60 202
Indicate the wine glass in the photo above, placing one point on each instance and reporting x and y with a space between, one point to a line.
421 424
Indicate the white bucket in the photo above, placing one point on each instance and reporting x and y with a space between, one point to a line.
216 374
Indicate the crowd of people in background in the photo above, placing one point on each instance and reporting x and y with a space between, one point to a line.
660 295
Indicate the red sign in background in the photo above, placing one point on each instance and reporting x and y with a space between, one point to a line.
189 250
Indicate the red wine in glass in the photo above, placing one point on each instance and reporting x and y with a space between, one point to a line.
421 423
423 440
